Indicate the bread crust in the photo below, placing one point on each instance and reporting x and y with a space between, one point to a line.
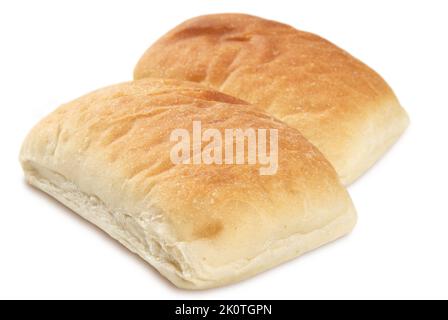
338 103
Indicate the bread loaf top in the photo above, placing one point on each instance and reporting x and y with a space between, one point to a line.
338 103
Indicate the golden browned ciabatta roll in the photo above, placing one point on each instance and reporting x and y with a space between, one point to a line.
110 156
338 103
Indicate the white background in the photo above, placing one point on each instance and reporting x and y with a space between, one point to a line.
54 51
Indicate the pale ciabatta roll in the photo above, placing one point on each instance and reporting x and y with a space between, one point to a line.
107 157
338 103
